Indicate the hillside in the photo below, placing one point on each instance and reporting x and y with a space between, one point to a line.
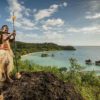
24 48
39 86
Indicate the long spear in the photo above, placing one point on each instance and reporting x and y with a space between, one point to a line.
15 47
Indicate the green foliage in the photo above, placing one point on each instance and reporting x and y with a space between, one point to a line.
73 74
27 66
75 67
86 91
24 48
87 83
91 79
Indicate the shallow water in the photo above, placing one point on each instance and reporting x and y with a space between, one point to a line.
61 58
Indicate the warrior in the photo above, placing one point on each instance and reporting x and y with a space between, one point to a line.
6 54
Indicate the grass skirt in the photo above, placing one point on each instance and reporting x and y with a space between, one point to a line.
5 58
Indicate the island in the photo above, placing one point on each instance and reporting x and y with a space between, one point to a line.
23 48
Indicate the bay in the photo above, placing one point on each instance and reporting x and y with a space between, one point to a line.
61 58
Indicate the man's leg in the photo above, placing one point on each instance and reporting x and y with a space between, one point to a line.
6 69
2 61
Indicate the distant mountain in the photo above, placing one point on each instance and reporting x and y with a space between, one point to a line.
24 48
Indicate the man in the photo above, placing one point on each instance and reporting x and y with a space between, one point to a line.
6 54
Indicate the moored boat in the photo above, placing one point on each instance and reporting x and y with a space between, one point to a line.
97 63
88 62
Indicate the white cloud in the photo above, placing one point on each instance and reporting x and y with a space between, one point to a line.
21 12
94 5
47 36
65 4
93 9
53 35
43 13
24 23
91 29
72 29
53 23
15 6
46 12
34 10
31 37
95 16
82 36
27 12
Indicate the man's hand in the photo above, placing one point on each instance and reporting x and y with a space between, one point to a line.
14 33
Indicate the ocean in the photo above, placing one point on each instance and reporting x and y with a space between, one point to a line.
61 58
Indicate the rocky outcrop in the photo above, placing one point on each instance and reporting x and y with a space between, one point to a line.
39 86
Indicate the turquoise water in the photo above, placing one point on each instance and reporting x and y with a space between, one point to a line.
61 58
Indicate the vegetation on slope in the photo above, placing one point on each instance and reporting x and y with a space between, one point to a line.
40 86
25 48
87 83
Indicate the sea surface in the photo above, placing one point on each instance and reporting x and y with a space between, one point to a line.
61 58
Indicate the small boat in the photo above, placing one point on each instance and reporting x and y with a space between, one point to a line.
44 55
97 63
88 62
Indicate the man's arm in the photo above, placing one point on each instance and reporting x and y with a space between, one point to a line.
1 39
12 38
9 37
2 32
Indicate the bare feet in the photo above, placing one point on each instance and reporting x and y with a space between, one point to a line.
18 75
9 80
1 97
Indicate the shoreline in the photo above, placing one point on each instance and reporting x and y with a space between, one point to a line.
87 68
43 51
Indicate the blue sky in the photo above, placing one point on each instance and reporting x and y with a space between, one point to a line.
64 22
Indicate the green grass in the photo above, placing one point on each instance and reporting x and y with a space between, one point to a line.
88 84
26 66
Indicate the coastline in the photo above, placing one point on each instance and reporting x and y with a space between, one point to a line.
44 52
49 61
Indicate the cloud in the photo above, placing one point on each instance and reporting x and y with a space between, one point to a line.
80 36
25 24
65 4
72 29
46 36
94 5
34 10
31 37
43 13
51 23
93 9
51 35
95 16
46 12
21 13
91 29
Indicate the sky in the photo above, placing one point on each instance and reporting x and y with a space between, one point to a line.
64 22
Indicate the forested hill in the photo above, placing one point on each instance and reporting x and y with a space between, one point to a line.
25 48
